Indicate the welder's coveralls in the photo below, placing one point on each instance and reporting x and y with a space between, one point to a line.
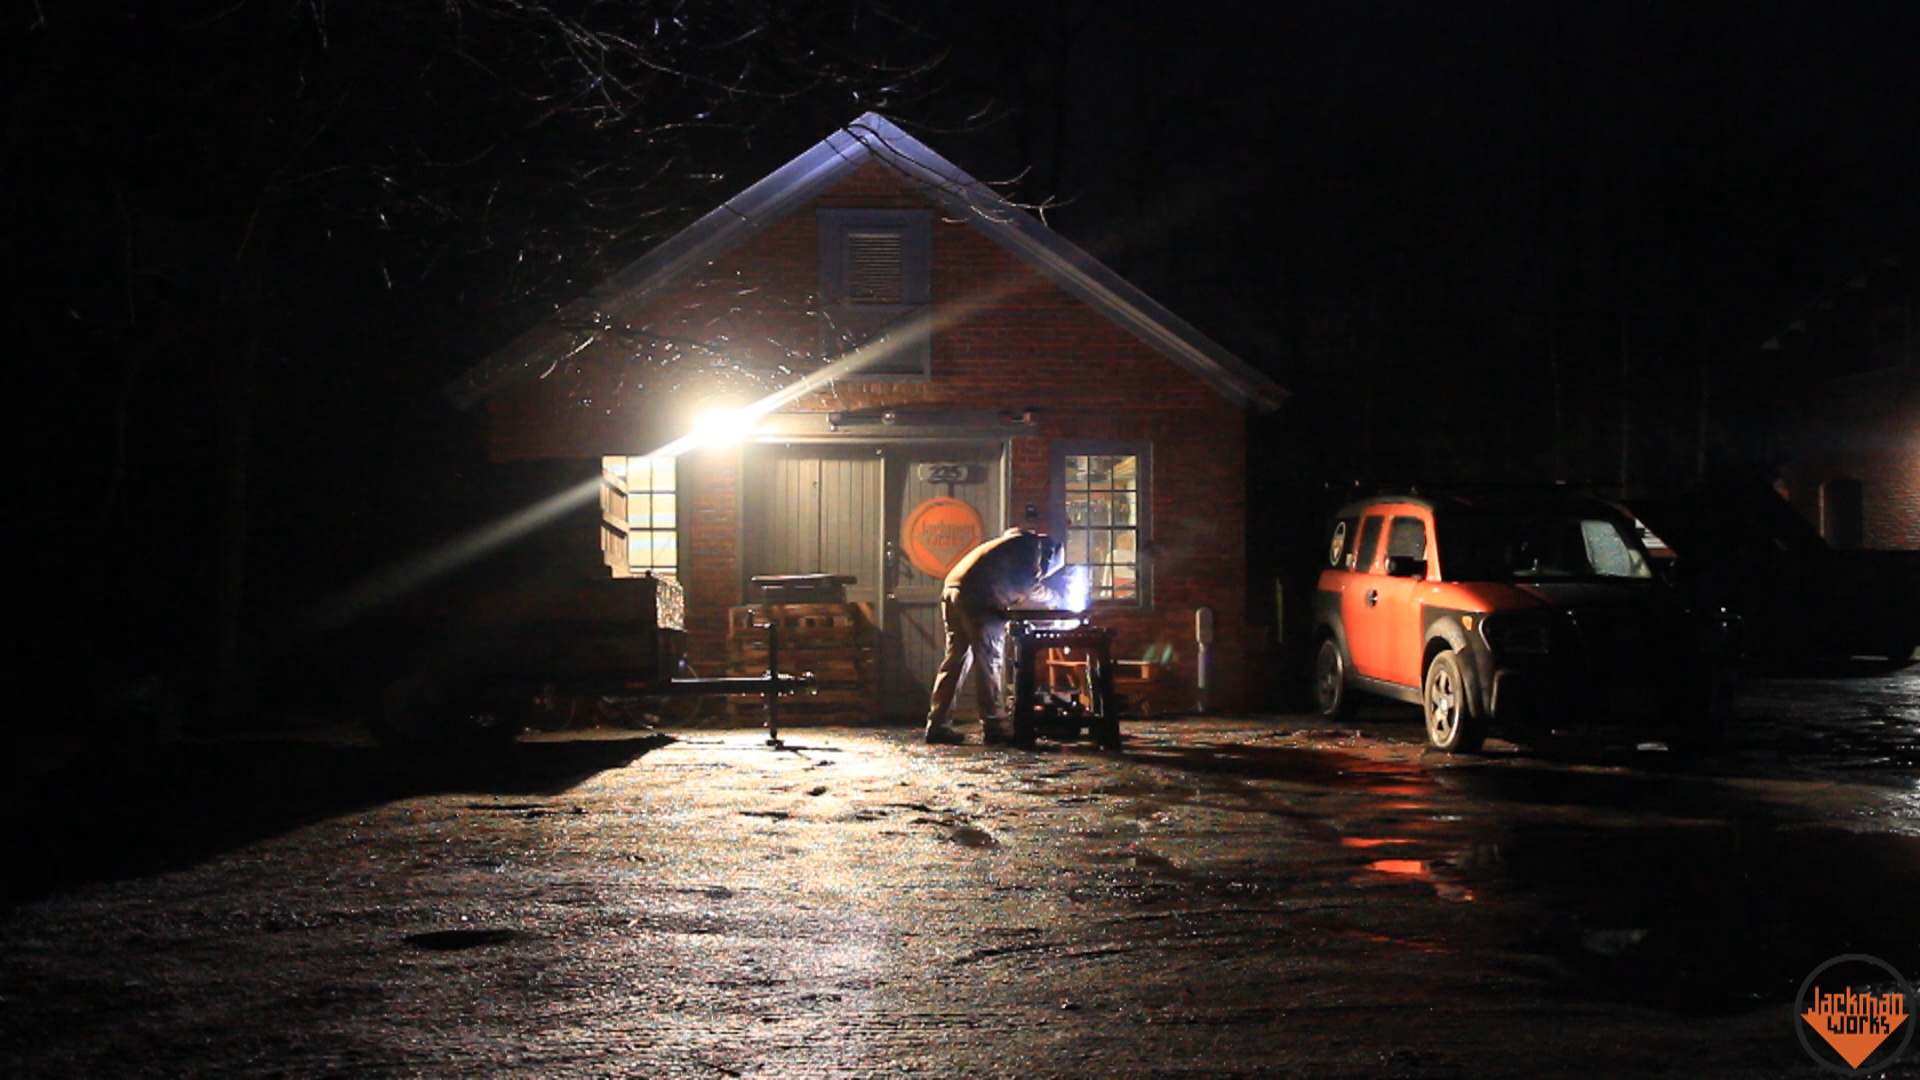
1009 571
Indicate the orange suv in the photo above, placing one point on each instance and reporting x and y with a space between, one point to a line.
1514 614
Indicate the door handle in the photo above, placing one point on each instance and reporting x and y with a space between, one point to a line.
1373 597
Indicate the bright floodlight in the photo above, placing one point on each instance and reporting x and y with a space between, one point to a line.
722 426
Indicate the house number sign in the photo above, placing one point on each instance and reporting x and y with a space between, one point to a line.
938 532
943 472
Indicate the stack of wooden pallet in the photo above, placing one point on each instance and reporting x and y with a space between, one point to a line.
833 641
1145 688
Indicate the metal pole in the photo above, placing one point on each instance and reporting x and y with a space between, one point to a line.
1203 634
773 682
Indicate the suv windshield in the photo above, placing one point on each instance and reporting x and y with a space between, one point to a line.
1489 546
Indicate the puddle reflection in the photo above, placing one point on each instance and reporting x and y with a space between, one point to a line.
1441 877
1317 765
1700 892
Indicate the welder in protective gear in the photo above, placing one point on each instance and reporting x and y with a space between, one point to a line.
1010 571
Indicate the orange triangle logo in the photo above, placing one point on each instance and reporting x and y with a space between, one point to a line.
1855 1024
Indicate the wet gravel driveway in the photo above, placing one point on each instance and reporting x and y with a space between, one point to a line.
1227 897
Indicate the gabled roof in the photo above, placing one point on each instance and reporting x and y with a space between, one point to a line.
1890 258
872 137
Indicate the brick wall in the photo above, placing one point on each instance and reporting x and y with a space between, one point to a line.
1845 404
1007 338
710 555
1867 428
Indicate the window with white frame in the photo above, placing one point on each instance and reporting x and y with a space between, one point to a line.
639 516
1103 493
876 289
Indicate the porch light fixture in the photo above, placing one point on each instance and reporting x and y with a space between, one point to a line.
723 426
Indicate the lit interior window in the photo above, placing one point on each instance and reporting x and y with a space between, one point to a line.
639 516
1103 521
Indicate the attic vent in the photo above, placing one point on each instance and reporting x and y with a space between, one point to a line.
876 274
874 268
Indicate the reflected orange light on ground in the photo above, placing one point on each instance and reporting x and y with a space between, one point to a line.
1412 867
1421 870
1400 790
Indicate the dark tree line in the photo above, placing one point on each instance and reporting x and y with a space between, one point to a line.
251 239
1524 215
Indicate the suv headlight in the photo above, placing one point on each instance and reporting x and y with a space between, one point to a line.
1524 637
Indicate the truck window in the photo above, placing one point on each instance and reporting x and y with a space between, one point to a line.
1408 537
1514 546
1369 543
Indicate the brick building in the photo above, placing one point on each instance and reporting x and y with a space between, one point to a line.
913 364
1841 389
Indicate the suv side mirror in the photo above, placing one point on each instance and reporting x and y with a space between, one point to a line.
1406 566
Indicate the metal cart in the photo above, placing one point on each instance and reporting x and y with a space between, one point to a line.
1061 677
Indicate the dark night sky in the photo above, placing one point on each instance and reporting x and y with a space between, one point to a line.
1498 214
1714 157
1414 201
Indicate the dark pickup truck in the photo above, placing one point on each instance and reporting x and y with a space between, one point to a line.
1736 544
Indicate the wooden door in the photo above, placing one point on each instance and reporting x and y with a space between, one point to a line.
814 510
931 486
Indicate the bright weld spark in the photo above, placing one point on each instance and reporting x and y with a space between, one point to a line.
1079 588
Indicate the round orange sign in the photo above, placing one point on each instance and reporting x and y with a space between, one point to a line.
939 532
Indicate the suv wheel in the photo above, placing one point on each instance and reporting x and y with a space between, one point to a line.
1451 725
1330 693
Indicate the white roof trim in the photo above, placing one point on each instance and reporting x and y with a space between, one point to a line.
874 137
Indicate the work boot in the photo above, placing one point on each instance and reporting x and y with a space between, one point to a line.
998 734
944 735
